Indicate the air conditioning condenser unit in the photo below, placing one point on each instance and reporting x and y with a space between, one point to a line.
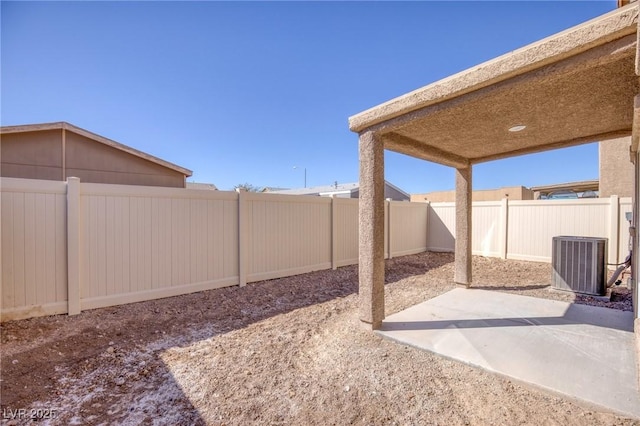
579 264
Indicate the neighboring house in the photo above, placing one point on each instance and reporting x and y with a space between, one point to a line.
581 189
510 192
199 185
616 178
345 190
56 151
615 175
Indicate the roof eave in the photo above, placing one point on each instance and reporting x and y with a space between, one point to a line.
598 31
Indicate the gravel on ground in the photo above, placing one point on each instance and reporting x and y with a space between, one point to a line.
284 351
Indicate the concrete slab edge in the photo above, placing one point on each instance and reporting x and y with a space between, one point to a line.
581 402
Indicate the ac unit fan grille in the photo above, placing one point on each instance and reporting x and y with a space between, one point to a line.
578 264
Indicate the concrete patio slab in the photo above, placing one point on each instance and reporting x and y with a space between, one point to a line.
584 352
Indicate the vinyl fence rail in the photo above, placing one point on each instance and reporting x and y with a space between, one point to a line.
71 246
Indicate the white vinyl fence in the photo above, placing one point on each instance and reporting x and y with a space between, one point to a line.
524 229
70 246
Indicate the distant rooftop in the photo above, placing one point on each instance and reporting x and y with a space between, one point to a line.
318 190
272 189
200 185
345 190
584 185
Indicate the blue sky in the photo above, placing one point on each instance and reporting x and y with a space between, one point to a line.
243 91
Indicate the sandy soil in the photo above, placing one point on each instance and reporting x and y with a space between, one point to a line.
286 351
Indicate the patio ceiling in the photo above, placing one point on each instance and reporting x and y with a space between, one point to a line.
574 87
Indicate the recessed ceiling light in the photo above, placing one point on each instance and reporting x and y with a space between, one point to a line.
517 128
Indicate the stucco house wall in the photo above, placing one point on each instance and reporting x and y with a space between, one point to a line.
616 168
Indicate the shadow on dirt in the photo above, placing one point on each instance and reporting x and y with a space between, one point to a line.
397 269
521 288
105 348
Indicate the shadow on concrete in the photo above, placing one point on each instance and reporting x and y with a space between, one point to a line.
585 352
502 322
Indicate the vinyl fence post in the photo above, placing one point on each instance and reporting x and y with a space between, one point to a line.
388 212
426 241
334 232
73 246
504 227
614 228
243 243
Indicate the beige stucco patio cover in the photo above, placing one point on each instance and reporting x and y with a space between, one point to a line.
574 87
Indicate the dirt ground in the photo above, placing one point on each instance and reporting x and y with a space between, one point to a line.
285 351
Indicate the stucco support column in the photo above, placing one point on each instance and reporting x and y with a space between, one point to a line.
371 231
463 227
